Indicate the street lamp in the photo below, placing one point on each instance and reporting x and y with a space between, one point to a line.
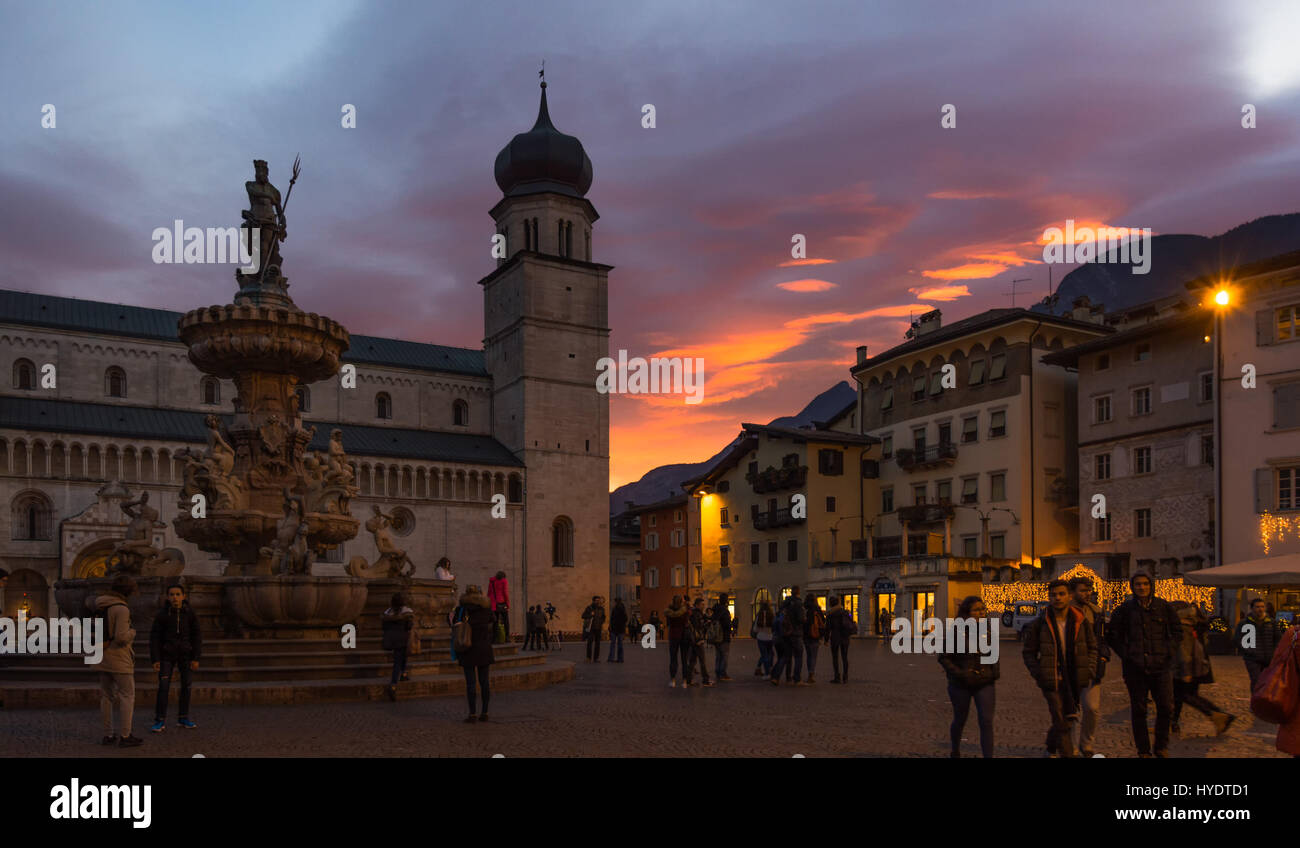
1222 299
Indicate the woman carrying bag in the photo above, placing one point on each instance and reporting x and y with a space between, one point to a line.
472 639
1276 697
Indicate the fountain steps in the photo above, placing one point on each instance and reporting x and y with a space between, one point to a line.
510 674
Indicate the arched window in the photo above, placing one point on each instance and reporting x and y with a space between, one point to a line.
24 375
304 398
115 382
460 413
31 516
211 389
383 405
562 542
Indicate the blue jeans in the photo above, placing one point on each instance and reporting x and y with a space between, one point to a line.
616 639
765 656
793 650
720 658
984 698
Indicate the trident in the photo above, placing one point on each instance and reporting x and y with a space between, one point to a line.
297 169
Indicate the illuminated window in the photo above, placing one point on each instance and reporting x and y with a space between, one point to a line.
1288 323
723 514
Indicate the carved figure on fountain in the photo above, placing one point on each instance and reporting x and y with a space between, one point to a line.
392 562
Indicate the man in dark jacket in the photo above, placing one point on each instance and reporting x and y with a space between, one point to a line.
697 631
679 643
1144 633
593 620
1090 697
175 642
1262 639
840 628
617 629
792 624
722 615
1061 655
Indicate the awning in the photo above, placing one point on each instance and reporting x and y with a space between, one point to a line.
1269 571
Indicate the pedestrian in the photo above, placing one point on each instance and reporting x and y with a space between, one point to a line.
477 659
840 628
1288 651
792 628
675 618
780 643
175 643
697 628
720 629
971 679
530 630
499 598
761 631
1144 633
1061 655
814 632
117 666
397 622
1090 697
593 619
1192 668
617 629
882 621
1259 642
442 571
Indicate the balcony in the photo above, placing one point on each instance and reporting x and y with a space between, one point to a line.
773 519
777 479
931 457
925 513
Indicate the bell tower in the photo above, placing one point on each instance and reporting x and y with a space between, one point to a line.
546 324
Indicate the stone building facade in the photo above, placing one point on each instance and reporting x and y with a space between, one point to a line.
92 393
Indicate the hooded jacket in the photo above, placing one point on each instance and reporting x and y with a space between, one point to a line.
1193 661
119 653
1145 638
475 609
175 635
1080 650
675 617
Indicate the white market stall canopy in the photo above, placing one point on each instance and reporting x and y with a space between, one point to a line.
1269 571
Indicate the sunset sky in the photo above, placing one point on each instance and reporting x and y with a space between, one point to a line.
772 119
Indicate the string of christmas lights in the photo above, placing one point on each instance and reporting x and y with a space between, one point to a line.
999 597
1274 528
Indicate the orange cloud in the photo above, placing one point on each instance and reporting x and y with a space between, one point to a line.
849 317
964 194
794 262
969 271
1078 225
944 294
806 285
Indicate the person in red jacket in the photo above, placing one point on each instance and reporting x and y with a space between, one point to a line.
499 598
1288 734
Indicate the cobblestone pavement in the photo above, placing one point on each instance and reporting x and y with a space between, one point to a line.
894 706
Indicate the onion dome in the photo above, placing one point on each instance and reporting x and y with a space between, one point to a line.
543 160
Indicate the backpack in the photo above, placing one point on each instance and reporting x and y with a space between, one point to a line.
817 624
787 624
846 621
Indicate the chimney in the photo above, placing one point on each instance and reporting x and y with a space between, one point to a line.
928 323
862 354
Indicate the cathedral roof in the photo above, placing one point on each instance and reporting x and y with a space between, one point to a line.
93 316
138 422
543 160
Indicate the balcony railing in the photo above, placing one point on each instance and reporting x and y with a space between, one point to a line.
773 519
924 513
930 457
776 479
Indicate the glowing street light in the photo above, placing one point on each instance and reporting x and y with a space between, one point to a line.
1222 297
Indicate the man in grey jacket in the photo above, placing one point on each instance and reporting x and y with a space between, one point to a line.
117 667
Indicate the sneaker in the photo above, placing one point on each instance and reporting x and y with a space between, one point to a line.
130 742
1222 721
108 740
471 719
159 726
709 683
187 724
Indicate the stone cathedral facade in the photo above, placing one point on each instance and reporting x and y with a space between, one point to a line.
434 432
